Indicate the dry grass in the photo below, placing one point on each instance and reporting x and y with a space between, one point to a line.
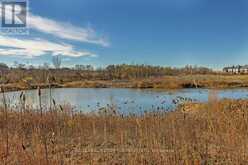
211 133
217 81
169 82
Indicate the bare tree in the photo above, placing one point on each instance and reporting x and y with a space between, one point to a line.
45 66
57 62
3 66
16 64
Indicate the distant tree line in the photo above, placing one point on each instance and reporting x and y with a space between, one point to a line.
24 72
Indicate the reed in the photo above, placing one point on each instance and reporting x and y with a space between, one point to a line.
40 103
6 122
195 133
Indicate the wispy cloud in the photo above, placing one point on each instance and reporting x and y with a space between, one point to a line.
37 47
66 30
63 30
33 47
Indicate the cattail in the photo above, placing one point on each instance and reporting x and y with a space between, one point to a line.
24 102
61 108
24 98
54 103
39 92
23 147
21 95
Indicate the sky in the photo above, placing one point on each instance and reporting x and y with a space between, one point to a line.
211 33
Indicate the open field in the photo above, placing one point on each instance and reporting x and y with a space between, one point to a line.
164 82
211 133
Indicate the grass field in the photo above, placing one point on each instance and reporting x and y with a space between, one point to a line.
211 133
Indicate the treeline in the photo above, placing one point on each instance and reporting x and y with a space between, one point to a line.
87 72
145 71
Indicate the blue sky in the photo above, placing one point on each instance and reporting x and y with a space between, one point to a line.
159 32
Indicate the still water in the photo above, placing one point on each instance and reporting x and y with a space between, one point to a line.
125 100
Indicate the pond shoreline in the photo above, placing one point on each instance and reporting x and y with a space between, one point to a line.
122 99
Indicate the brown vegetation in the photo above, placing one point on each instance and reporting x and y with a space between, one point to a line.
119 76
33 79
210 133
127 76
169 82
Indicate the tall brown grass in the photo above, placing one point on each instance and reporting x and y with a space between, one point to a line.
211 133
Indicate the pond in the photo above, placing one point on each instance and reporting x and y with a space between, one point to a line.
124 100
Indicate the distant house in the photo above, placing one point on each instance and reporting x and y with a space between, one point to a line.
228 69
236 69
244 69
